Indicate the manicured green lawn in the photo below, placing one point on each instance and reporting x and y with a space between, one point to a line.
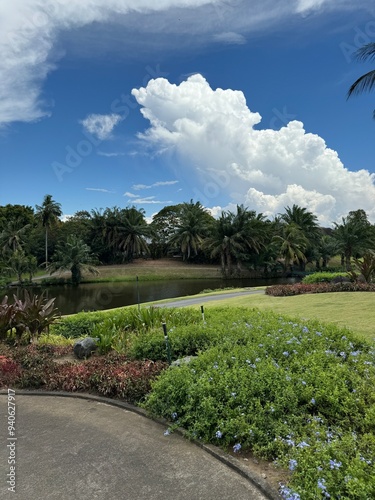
353 310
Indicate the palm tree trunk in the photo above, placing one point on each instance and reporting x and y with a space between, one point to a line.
46 247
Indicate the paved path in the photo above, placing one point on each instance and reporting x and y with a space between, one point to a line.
210 298
69 448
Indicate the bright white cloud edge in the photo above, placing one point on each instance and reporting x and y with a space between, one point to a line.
212 133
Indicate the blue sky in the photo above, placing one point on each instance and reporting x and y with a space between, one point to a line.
115 103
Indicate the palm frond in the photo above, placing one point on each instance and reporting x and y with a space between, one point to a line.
364 84
367 52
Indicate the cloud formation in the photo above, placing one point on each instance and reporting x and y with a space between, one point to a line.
101 125
30 30
147 200
212 132
99 190
138 187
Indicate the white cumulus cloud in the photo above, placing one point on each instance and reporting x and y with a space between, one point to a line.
30 30
212 132
101 125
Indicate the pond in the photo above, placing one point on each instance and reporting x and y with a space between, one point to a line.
99 296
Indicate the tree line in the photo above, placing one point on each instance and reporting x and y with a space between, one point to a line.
237 240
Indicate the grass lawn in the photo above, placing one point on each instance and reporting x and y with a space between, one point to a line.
353 310
150 270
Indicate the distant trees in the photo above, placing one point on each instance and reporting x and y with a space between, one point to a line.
237 240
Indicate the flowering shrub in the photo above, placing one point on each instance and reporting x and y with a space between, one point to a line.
297 393
299 288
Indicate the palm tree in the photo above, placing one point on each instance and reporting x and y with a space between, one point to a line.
354 235
132 234
48 213
307 222
292 245
365 82
74 256
191 229
236 236
12 236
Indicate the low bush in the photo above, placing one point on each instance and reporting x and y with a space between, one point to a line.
300 288
35 367
297 393
323 277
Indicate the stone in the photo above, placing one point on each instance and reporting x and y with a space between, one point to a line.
183 361
84 347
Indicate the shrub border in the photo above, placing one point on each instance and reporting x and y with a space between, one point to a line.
214 451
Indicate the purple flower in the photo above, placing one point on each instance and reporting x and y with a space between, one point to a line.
219 434
312 401
237 447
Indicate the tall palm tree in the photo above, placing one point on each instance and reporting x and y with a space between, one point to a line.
307 222
75 256
48 213
292 245
235 236
365 82
191 229
131 236
355 235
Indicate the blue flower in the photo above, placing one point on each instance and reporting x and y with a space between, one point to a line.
237 447
292 464
312 401
288 494
219 434
334 464
321 484
174 415
286 353
305 329
302 444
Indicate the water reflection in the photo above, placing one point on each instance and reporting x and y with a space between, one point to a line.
99 296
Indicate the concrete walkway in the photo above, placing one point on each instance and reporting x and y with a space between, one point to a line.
86 449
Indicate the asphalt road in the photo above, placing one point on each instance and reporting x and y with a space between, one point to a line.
210 298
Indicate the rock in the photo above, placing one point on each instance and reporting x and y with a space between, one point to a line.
84 348
183 361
